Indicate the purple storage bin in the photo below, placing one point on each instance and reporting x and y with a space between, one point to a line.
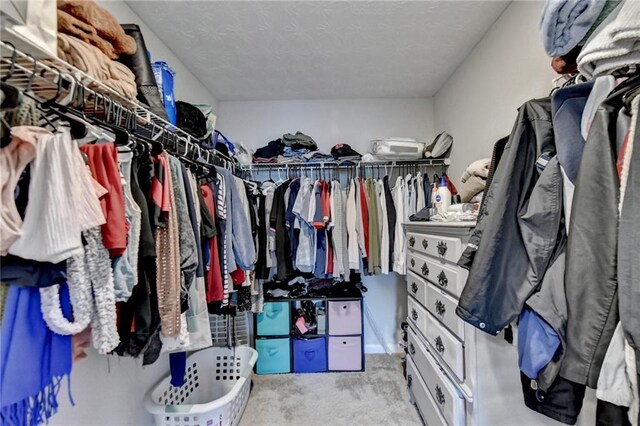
310 356
345 353
345 318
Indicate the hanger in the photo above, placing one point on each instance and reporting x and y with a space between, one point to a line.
632 85
12 66
12 95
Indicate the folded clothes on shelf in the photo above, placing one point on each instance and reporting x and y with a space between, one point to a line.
317 157
299 140
271 150
344 151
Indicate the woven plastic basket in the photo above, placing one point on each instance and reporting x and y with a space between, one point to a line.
222 334
216 390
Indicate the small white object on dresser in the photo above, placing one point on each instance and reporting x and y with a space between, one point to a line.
457 375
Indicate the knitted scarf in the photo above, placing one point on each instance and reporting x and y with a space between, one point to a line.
33 359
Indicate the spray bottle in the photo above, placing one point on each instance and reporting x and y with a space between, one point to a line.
443 196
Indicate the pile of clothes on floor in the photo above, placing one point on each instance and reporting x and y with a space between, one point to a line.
592 37
301 148
299 285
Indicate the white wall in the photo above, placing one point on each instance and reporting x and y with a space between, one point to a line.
186 86
328 122
478 104
110 390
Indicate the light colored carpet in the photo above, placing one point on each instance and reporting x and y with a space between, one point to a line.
377 396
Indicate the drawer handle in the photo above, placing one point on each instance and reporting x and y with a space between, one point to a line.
425 244
414 287
409 380
440 395
412 349
414 314
413 263
425 270
442 248
442 279
440 308
412 241
439 345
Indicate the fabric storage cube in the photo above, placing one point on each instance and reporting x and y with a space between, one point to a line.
345 318
309 355
345 353
274 321
274 356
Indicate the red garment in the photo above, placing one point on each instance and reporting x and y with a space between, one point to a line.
215 291
237 277
213 279
160 193
451 186
622 154
325 198
103 162
365 216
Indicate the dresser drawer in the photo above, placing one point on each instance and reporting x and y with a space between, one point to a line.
444 392
446 345
417 287
443 306
426 404
345 318
444 248
417 314
448 277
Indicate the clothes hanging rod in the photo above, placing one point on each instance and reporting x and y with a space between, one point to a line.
357 164
57 79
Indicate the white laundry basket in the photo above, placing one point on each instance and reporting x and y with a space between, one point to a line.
215 393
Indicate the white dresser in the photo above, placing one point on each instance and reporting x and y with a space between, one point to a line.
457 375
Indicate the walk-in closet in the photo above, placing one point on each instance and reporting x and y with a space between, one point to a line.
273 213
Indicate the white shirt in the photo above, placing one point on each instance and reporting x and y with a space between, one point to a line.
352 232
399 245
384 228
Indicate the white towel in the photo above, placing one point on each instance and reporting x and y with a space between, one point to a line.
614 44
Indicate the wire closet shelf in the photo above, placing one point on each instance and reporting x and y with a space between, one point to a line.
337 169
52 79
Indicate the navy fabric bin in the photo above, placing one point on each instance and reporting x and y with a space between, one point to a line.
310 356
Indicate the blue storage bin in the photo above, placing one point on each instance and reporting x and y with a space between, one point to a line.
274 356
274 321
310 356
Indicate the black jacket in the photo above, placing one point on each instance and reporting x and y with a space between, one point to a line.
498 283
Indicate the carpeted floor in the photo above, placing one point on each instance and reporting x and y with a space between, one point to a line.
376 397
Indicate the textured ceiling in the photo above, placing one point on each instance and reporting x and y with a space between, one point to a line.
320 49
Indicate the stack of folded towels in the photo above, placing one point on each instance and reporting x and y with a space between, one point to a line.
90 38
474 180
